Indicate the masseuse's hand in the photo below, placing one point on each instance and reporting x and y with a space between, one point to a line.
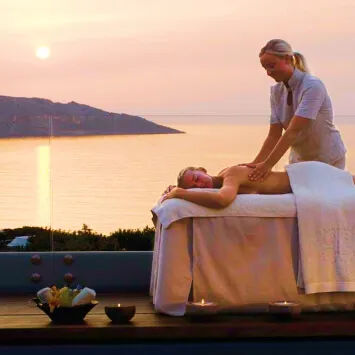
260 171
172 194
250 165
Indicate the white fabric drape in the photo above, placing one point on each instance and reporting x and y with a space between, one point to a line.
242 263
325 201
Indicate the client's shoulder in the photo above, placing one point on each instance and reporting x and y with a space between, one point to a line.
235 170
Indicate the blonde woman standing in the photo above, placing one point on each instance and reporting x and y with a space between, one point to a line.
301 114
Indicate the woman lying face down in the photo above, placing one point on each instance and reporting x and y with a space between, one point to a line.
229 182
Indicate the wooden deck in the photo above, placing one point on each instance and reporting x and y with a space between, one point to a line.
22 323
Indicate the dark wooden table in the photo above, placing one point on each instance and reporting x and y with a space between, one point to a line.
21 322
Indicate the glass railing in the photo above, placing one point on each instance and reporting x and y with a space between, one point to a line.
92 193
25 183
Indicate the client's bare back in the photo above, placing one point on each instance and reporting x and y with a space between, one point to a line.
275 183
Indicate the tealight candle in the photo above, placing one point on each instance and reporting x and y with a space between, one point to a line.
201 308
119 313
285 309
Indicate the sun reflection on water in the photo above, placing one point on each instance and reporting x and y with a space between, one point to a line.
43 211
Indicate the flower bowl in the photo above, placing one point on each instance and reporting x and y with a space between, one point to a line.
75 314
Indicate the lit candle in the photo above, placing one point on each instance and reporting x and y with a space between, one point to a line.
285 309
120 314
201 308
284 303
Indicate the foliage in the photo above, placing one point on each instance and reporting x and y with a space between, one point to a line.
83 240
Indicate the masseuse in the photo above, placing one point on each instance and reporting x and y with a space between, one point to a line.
301 114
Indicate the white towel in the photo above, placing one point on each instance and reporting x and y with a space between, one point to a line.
244 205
325 201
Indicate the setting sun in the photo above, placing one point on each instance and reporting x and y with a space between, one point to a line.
43 52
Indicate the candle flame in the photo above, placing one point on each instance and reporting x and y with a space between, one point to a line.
202 301
119 305
285 302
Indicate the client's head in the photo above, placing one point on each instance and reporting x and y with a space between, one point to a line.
194 177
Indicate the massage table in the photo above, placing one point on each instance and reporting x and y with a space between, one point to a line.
242 257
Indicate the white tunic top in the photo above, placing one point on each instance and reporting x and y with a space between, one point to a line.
321 141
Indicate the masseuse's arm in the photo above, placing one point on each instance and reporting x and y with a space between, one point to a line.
296 126
275 132
212 199
307 110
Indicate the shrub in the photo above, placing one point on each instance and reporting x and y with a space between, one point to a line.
83 240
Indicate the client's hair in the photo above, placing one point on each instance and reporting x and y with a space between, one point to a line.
180 178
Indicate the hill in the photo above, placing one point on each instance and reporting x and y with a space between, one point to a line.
35 117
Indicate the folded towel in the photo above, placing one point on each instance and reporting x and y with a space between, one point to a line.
245 205
325 201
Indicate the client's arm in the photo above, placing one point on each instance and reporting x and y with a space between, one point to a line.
212 199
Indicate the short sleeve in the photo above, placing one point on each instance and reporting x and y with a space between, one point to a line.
273 118
312 99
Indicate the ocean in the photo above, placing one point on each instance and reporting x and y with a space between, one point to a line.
112 182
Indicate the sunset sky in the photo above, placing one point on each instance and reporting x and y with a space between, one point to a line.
165 56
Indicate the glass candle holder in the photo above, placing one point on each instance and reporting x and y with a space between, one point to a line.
120 313
285 309
201 308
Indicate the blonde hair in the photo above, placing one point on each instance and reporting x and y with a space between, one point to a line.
281 48
180 178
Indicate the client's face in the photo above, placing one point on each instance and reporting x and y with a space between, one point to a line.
197 178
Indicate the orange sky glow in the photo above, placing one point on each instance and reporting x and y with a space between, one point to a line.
164 56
